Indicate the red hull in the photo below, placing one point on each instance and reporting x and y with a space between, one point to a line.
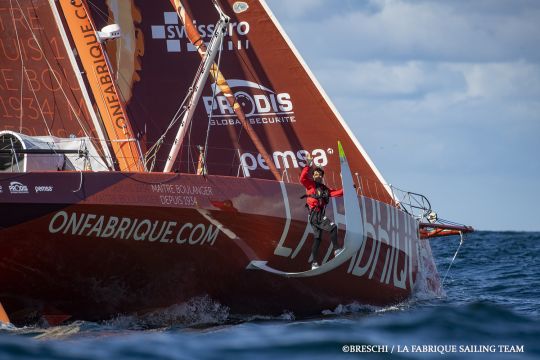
93 245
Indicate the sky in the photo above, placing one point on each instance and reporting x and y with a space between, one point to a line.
444 95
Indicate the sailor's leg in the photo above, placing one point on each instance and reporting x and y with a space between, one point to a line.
333 236
316 244
314 220
331 227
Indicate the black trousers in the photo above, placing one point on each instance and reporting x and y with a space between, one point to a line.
319 223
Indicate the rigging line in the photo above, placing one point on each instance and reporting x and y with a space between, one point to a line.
240 55
454 258
86 132
245 61
133 178
200 70
260 88
121 96
88 156
52 70
238 148
190 91
22 63
37 101
119 57
134 99
443 221
71 90
14 155
152 152
98 160
100 12
190 153
181 109
205 151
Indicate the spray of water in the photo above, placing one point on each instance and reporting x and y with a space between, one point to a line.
198 311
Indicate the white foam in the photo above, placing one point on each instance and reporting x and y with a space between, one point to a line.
428 283
7 327
287 315
353 307
194 312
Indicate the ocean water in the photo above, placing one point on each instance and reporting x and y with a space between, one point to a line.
491 309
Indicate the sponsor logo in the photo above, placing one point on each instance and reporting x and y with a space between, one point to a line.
388 253
282 160
41 188
174 34
16 187
260 105
126 228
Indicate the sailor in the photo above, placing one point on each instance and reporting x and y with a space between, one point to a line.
317 197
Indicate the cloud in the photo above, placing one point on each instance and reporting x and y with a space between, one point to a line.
437 82
512 81
295 9
389 80
420 30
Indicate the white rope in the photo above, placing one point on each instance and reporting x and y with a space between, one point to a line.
80 182
454 258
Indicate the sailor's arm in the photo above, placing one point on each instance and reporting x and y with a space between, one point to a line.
305 179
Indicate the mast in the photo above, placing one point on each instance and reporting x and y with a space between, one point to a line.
208 59
196 39
104 89
84 91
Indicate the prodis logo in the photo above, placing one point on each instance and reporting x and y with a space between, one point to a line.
16 187
260 105
174 33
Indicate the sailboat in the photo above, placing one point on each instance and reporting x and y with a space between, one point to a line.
150 153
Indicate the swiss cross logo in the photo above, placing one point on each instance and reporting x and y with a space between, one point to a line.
160 31
174 34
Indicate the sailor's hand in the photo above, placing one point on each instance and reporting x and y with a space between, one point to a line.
309 160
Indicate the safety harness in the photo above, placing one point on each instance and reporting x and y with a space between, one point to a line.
322 194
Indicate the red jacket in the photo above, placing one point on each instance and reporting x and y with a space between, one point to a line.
311 189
